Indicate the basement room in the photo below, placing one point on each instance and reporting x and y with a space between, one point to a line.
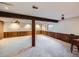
39 29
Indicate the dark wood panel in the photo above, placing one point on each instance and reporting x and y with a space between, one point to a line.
33 32
60 36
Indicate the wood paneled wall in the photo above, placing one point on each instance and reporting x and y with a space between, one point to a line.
17 34
64 37
60 36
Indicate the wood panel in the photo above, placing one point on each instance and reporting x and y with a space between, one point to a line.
60 36
17 34
1 29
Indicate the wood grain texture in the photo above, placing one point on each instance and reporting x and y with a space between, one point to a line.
1 29
33 32
16 34
61 36
20 33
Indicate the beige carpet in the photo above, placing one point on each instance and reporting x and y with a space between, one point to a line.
49 47
45 47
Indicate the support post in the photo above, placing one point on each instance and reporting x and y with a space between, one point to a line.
33 32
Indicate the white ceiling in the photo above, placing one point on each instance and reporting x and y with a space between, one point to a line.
52 10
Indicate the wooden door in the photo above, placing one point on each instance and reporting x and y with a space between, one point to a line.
1 30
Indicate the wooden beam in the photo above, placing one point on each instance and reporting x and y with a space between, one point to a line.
14 15
33 32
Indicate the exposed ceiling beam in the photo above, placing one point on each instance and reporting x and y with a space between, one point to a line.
21 16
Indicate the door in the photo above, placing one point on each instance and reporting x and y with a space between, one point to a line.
1 30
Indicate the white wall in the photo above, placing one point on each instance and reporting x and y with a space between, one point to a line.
23 22
69 26
23 27
9 21
7 27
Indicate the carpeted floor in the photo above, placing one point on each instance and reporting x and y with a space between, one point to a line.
45 47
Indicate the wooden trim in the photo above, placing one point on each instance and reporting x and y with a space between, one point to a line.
14 15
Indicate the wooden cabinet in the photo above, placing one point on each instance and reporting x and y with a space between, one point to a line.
1 30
